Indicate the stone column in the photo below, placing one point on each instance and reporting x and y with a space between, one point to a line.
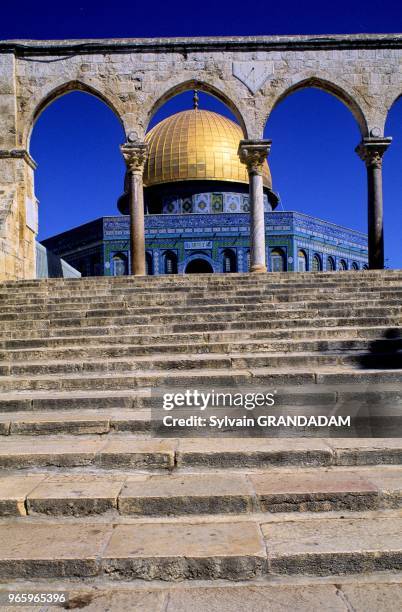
254 153
18 215
135 156
371 150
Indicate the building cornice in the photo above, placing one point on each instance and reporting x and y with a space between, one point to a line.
188 45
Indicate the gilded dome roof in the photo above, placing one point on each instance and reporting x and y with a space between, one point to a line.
196 145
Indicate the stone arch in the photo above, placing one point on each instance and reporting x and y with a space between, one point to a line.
198 255
170 262
198 263
331 88
119 264
229 260
200 85
302 260
389 107
316 263
278 261
330 264
66 87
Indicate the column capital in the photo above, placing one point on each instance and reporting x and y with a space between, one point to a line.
371 150
253 154
18 154
135 155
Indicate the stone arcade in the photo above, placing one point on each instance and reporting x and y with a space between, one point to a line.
135 77
197 214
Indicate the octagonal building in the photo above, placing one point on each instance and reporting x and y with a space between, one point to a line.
197 216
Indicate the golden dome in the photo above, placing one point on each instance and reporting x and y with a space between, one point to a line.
196 145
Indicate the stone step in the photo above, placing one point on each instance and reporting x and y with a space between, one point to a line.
137 452
233 551
227 550
236 315
76 422
170 314
57 404
347 334
337 546
287 278
155 297
205 493
202 327
226 303
190 297
239 277
224 377
105 351
208 361
381 591
18 452
53 401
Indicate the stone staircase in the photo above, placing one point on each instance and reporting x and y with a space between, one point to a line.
92 502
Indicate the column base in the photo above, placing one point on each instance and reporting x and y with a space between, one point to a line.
258 269
138 273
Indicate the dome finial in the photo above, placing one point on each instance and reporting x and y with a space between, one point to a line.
195 99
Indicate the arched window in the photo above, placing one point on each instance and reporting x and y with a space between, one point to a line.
301 261
278 263
316 267
365 267
343 265
149 264
355 266
170 262
330 264
229 261
120 267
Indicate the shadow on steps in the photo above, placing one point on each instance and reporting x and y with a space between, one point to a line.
385 352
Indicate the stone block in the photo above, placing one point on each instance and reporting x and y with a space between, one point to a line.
314 491
187 494
75 495
14 491
273 598
51 550
334 546
233 551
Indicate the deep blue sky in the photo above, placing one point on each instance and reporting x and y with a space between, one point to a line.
313 163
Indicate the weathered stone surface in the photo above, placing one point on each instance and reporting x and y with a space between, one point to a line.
319 491
51 423
75 495
334 546
373 597
120 600
365 450
240 452
389 481
76 422
187 494
134 452
234 551
279 598
176 517
13 492
51 550
18 452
